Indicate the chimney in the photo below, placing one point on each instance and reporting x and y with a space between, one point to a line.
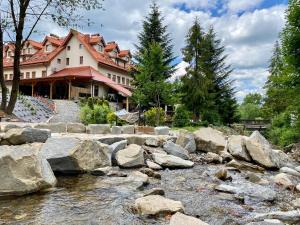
54 35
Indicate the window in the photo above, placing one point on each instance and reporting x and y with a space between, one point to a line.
80 46
28 50
27 75
109 75
123 80
8 53
81 60
48 48
33 74
114 78
44 73
67 61
10 76
22 76
96 91
127 82
69 48
6 76
100 48
119 79
58 61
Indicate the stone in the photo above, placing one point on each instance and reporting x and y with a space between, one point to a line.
254 178
116 130
267 222
211 157
176 150
186 140
280 159
18 136
210 140
152 142
289 171
136 139
283 180
23 170
150 173
153 165
151 150
139 177
111 140
298 187
227 188
296 203
260 150
181 219
170 161
114 148
297 169
98 129
287 216
71 156
7 127
101 171
129 129
222 174
132 156
226 156
161 130
242 165
237 147
76 128
116 173
154 191
156 204
53 127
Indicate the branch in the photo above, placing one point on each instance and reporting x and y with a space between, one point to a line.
13 14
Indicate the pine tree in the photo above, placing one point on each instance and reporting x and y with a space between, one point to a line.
154 31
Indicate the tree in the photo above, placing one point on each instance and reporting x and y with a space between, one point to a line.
150 82
253 98
207 88
154 31
22 17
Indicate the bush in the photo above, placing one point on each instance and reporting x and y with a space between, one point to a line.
94 114
181 117
151 116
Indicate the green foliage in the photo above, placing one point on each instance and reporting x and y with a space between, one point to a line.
250 111
155 116
95 113
181 117
207 89
253 98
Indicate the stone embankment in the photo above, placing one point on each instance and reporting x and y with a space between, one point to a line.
30 155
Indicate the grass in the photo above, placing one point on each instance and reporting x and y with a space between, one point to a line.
188 128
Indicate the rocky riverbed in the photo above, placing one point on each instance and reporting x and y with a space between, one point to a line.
211 187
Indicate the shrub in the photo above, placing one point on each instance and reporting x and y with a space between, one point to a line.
94 114
181 117
90 103
152 114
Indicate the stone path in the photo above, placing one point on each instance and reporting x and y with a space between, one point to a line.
66 111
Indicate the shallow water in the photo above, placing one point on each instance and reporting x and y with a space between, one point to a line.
86 199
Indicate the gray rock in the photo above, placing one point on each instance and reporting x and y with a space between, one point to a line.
296 203
129 129
150 173
287 217
297 169
153 165
283 180
186 140
101 171
98 129
181 219
152 141
156 204
176 150
111 140
114 148
255 178
210 140
76 128
211 157
267 222
136 139
154 191
281 159
132 156
237 147
242 165
20 136
71 155
151 150
222 174
7 127
162 130
116 130
23 170
289 171
53 127
171 161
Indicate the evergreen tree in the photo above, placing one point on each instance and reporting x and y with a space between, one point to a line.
154 31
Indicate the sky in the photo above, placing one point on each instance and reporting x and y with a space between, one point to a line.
247 28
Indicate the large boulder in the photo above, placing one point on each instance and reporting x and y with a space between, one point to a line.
53 127
98 129
210 140
237 147
260 150
23 170
242 165
181 219
76 128
156 204
20 136
128 129
71 155
114 148
132 156
284 180
161 130
176 150
171 161
186 140
289 171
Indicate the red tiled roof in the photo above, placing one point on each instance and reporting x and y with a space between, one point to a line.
124 53
54 40
89 72
111 46
35 44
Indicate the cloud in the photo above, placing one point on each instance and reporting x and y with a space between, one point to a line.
241 5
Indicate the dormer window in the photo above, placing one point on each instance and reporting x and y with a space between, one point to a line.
100 48
28 50
8 53
48 48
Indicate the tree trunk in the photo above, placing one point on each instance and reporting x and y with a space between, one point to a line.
158 111
2 81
